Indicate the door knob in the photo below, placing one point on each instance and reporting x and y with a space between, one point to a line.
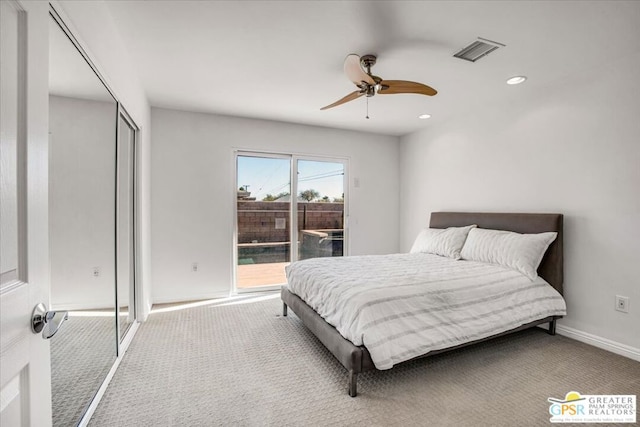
47 322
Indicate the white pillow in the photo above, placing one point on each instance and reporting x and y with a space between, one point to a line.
521 252
444 242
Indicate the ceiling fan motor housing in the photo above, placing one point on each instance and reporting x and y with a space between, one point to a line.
370 90
366 62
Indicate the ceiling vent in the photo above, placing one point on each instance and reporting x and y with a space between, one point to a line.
478 49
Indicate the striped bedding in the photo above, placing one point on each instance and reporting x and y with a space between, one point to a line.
402 306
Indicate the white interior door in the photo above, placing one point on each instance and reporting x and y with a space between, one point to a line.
25 373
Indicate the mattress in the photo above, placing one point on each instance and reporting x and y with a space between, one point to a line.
401 306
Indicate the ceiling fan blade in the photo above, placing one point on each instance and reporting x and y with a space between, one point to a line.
350 97
403 86
354 71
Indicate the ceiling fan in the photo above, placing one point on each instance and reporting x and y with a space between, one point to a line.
369 85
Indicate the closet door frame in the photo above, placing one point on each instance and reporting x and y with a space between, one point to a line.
134 291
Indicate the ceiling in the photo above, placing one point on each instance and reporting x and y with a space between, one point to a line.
282 60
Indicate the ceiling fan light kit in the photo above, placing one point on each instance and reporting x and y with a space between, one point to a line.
370 85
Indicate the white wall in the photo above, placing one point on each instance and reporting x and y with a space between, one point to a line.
92 24
193 190
572 148
82 166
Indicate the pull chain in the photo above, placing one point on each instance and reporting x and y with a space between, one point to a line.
367 108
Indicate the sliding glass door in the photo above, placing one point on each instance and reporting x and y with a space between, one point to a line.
320 206
288 208
263 220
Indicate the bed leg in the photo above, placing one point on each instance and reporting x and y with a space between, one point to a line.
353 384
552 327
284 310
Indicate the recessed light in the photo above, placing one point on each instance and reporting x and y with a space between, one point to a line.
424 116
516 80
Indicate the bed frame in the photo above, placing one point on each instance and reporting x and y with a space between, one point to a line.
356 359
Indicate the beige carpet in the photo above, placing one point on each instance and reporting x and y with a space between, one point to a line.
245 365
82 353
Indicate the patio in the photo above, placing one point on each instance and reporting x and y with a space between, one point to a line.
254 275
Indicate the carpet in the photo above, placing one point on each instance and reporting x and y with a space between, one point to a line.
241 363
82 353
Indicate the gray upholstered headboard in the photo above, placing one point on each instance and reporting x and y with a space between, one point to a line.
551 267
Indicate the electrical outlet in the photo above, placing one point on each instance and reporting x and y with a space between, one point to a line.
622 303
194 267
96 271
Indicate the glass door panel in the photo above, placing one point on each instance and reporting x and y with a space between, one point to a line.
263 220
320 207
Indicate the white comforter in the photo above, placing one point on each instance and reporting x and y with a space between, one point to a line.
404 305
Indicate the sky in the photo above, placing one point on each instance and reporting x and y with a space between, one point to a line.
265 175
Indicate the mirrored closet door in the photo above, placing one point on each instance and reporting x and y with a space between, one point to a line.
92 225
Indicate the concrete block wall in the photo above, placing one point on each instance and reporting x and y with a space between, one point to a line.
257 220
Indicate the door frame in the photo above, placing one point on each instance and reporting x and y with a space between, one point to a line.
134 291
293 217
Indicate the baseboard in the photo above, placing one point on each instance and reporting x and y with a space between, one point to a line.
146 313
596 341
189 298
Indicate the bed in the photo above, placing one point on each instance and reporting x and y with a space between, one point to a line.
337 321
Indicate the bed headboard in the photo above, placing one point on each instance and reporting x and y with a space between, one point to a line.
551 266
